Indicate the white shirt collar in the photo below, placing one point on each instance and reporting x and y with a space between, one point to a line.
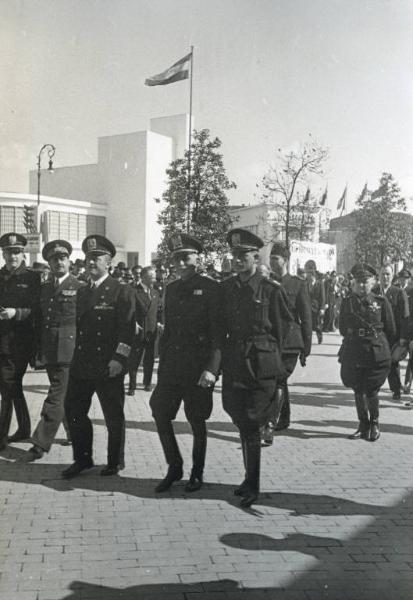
60 280
98 282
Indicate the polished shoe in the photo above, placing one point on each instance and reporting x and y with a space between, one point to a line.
397 396
76 469
320 338
282 425
267 434
194 484
147 388
374 432
34 453
242 489
108 471
18 437
174 474
360 434
131 392
66 442
249 498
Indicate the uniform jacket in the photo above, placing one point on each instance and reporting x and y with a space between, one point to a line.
299 337
409 293
19 290
147 310
366 323
317 295
257 320
105 324
191 341
57 322
400 306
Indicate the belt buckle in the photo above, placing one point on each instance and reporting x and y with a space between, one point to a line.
362 332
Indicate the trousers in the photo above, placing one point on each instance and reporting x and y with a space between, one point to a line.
53 411
12 370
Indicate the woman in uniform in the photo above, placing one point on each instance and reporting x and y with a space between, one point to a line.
366 322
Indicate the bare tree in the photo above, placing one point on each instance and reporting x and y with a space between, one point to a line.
287 184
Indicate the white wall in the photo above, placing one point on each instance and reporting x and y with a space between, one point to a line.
80 182
175 127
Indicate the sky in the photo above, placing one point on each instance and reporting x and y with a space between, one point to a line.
267 73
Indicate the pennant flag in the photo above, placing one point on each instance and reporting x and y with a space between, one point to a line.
178 72
306 198
324 197
363 193
342 202
379 192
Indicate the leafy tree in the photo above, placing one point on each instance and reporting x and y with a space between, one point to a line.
383 228
198 205
287 186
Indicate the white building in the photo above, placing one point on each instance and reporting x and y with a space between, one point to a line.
116 196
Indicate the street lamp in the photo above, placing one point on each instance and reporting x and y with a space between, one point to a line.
50 151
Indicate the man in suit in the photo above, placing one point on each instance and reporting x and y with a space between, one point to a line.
297 342
148 323
104 331
56 335
317 297
400 305
189 360
19 298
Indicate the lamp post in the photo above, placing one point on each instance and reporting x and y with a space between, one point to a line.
50 151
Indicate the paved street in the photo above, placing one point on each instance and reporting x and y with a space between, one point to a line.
335 518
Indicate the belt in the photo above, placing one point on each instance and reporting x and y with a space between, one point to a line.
362 332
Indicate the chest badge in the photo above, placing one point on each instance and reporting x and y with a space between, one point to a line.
198 292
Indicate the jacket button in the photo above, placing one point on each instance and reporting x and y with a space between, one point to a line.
79 347
98 348
99 333
99 318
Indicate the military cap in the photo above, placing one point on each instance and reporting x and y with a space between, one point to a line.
280 249
56 247
310 265
98 244
404 273
40 267
13 240
244 240
182 242
363 271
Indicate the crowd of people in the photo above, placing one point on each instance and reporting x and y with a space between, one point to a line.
90 324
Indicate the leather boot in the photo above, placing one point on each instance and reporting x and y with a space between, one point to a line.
198 456
172 455
373 402
253 459
285 409
241 489
363 431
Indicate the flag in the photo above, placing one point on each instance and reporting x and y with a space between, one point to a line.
379 192
178 72
306 198
324 198
342 202
363 193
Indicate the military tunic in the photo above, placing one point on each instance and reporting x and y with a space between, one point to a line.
56 333
104 332
20 290
366 323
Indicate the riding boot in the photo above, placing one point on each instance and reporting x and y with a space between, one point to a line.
285 409
240 490
373 403
253 459
198 456
363 416
172 455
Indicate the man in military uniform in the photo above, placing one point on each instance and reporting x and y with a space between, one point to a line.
400 306
189 360
56 334
366 322
105 312
256 321
19 297
298 340
317 297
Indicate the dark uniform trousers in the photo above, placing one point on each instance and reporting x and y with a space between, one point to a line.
255 315
105 322
282 406
19 290
146 349
52 414
111 395
190 344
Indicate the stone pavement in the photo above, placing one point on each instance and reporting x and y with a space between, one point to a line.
335 520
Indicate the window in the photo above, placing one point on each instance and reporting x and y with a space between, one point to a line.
73 226
11 219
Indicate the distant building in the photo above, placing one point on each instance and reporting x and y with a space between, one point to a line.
121 189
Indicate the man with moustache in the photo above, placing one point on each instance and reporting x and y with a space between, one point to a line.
19 297
105 326
189 359
56 334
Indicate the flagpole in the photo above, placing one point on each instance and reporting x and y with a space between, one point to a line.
189 142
